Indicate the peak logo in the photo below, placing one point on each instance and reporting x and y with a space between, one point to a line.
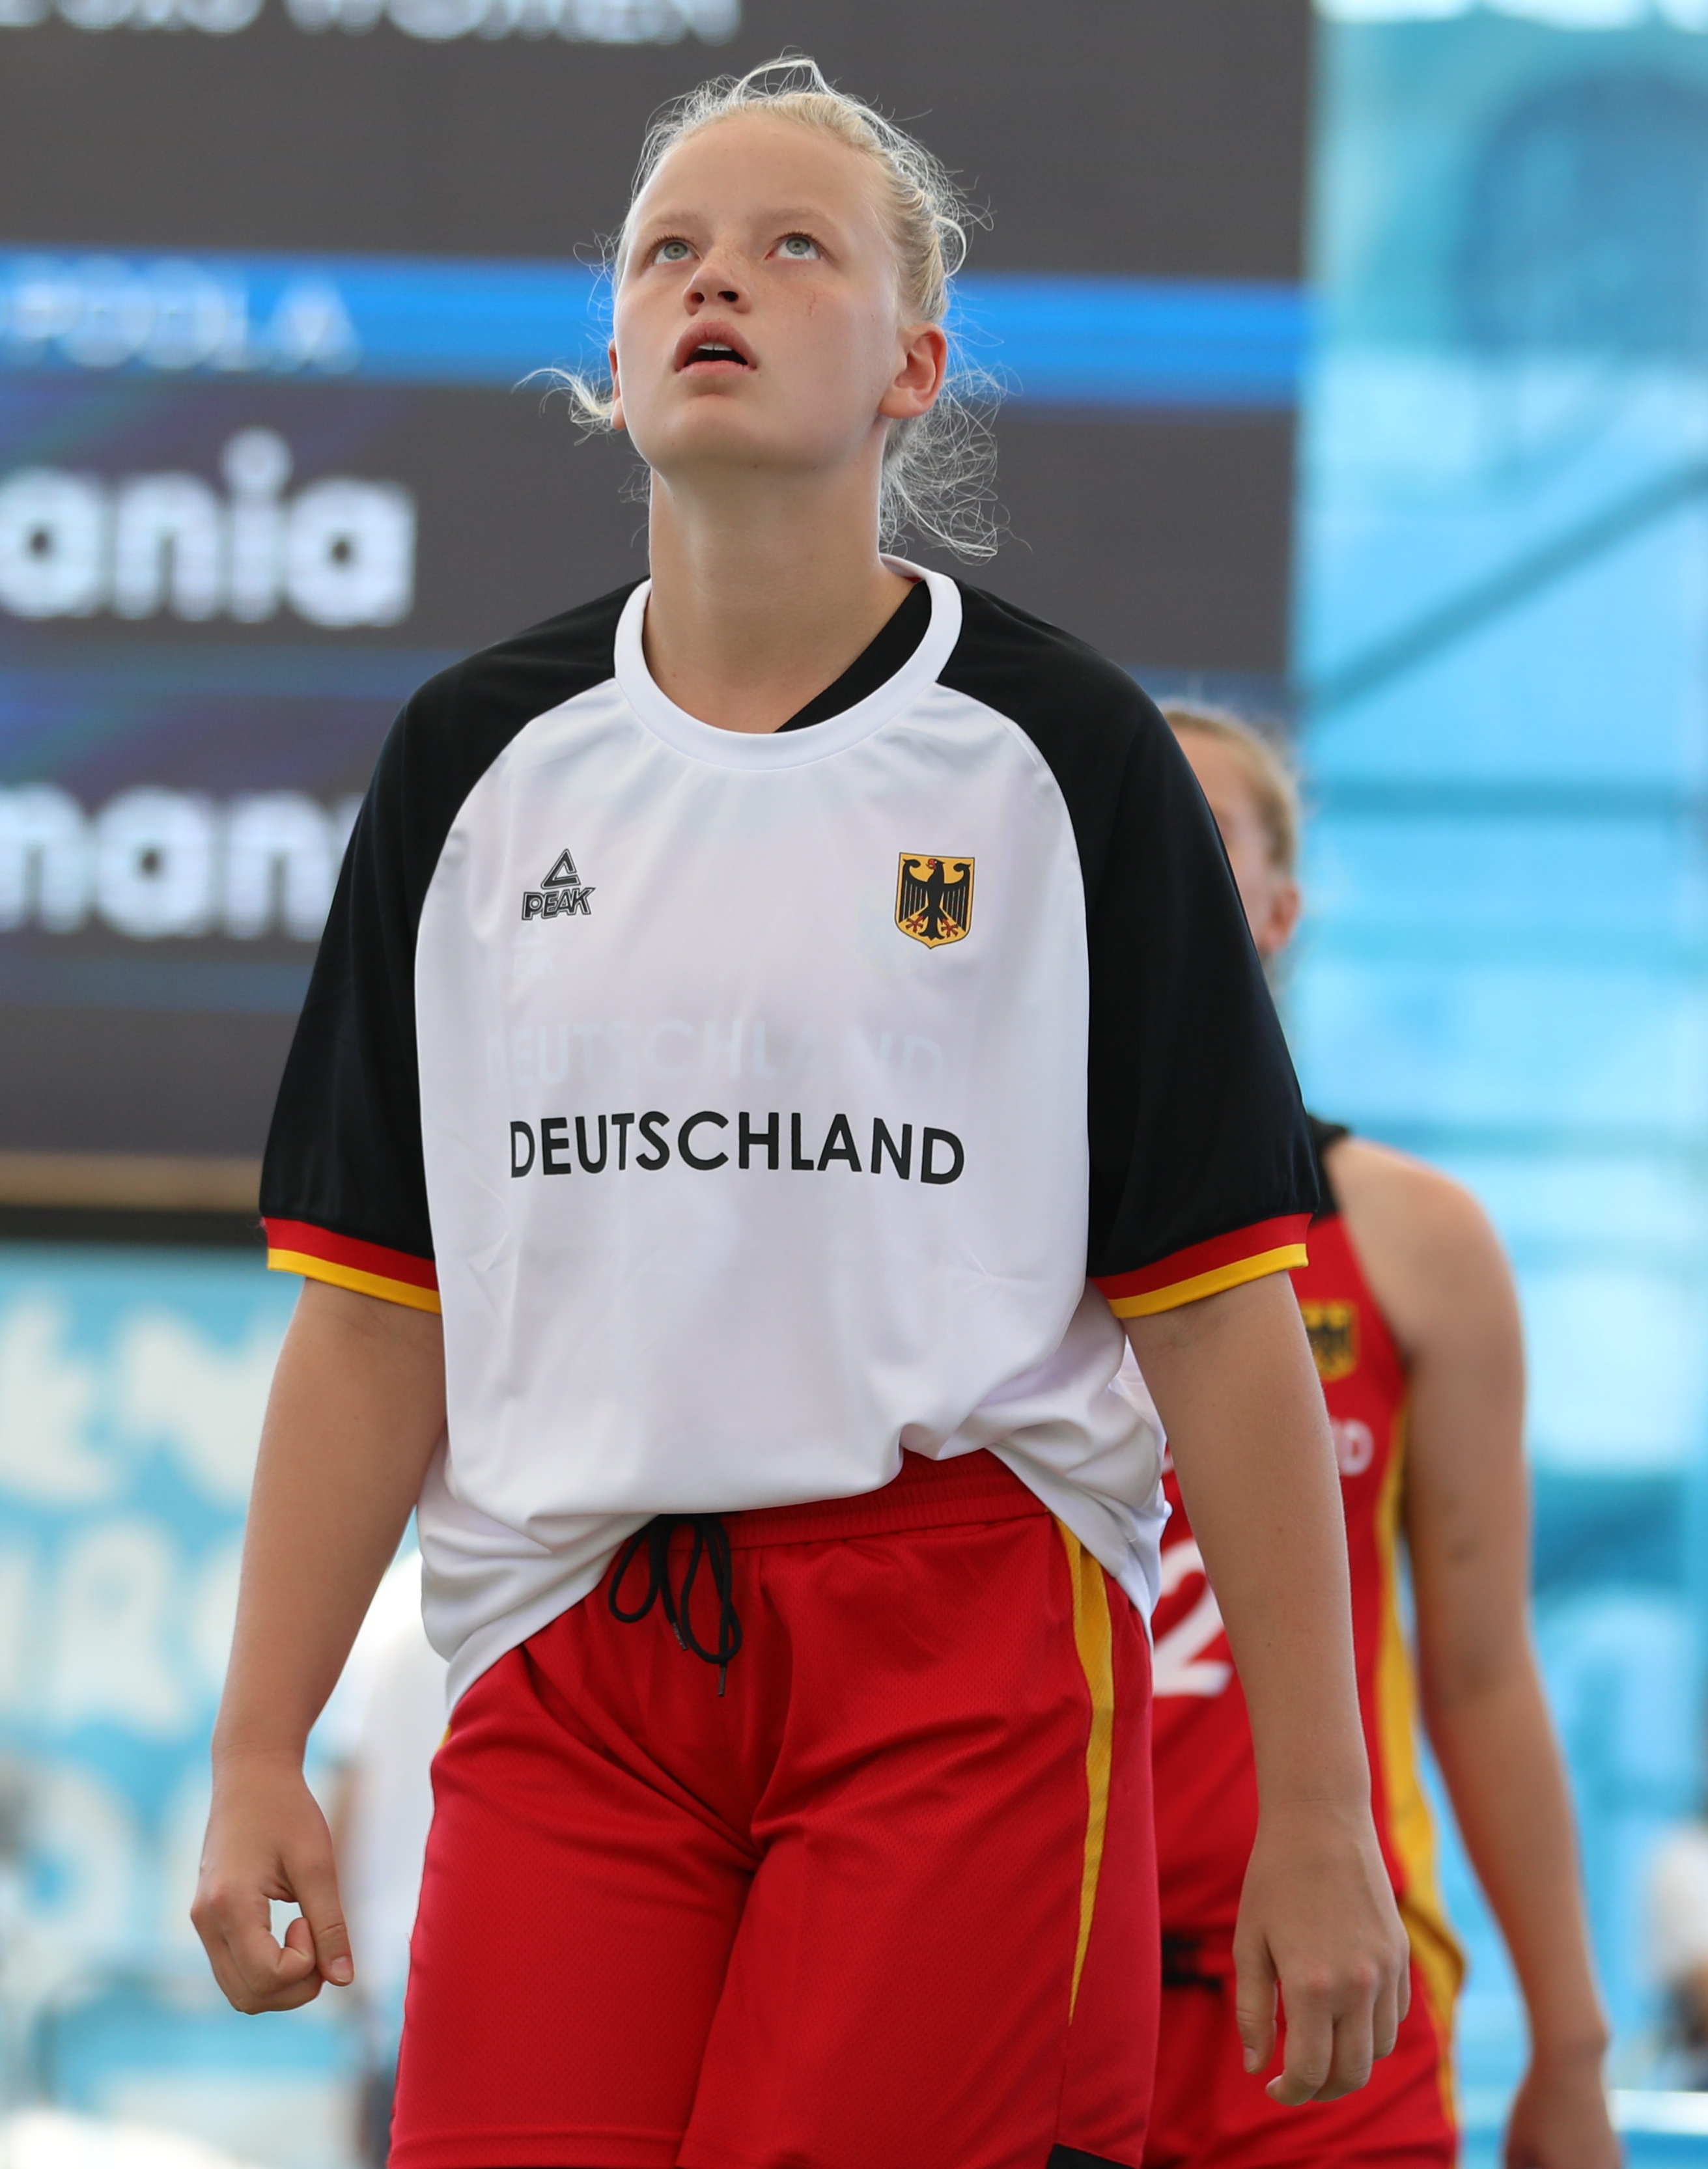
562 894
340 552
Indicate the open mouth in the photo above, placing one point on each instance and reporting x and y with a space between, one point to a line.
712 352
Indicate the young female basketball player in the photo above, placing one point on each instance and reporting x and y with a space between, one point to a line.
723 1144
1410 1309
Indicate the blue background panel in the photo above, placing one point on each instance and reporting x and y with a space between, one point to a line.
1053 337
1503 651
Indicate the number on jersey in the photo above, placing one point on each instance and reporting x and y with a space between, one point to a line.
1181 1667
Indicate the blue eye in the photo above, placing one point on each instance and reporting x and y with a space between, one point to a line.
800 246
672 252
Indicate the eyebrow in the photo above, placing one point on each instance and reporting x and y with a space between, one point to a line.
784 217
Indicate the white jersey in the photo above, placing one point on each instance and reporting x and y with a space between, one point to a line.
755 1106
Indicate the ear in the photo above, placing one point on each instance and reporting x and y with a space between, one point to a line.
914 388
1281 919
617 420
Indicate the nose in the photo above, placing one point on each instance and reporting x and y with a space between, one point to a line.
716 281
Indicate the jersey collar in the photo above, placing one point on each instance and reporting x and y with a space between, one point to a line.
776 750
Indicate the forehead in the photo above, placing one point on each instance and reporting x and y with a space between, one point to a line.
753 163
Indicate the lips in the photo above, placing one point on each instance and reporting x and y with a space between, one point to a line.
706 349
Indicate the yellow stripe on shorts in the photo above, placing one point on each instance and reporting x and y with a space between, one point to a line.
1094 1639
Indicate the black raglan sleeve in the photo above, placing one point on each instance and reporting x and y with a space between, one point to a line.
343 1183
343 1190
1202 1173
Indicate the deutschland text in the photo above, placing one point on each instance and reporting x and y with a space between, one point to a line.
559 1144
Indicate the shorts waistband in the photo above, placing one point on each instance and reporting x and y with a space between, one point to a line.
925 1495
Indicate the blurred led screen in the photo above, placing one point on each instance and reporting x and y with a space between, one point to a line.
286 281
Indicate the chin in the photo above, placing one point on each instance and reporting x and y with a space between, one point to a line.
706 424
718 436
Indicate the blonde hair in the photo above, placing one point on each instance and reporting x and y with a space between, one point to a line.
1267 766
937 466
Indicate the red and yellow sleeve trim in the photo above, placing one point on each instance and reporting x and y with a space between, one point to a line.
296 1246
1201 1269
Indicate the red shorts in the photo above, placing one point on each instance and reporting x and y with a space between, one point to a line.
1208 2113
889 1900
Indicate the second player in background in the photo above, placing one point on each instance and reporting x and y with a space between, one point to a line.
1414 1323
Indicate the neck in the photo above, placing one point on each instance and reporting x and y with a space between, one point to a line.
763 594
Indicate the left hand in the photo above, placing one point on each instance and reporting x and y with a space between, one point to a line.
1319 1925
1560 2117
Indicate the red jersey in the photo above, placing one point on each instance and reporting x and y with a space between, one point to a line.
1205 1784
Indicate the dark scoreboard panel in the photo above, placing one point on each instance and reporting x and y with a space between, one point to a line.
277 269
1159 136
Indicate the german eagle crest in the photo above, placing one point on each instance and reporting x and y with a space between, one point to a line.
1333 1328
934 899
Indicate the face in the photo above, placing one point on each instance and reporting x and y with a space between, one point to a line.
757 324
1271 897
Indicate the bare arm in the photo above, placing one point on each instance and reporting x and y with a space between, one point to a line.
1233 1379
1437 1271
356 1409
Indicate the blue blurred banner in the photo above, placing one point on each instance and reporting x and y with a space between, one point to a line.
131 1388
1048 338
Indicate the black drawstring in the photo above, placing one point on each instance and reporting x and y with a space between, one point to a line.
1181 1967
711 1540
